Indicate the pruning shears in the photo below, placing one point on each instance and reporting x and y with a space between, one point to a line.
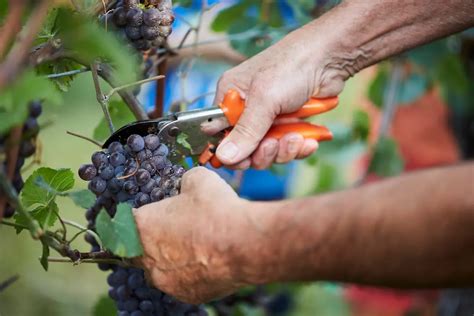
184 134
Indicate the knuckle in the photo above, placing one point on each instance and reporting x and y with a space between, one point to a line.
247 131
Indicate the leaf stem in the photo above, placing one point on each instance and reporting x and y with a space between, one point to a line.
67 73
85 138
101 98
140 82
79 226
12 224
67 260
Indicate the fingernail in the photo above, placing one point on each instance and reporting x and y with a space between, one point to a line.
228 151
270 149
293 145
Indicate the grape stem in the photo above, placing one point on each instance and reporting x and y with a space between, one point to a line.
67 73
101 98
136 83
85 138
83 230
8 282
98 260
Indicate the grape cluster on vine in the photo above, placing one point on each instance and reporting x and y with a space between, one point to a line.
138 172
27 148
146 24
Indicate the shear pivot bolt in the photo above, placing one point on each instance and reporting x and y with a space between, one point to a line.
174 131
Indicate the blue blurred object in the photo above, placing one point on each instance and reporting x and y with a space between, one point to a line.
201 79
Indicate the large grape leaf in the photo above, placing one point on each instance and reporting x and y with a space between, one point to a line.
83 198
39 194
119 234
227 17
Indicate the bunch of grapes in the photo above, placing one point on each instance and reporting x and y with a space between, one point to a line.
137 173
27 148
145 24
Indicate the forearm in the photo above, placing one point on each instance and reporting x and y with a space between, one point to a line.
411 231
359 33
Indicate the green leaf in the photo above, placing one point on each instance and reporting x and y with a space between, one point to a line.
88 41
44 256
360 125
386 160
39 194
120 114
302 9
451 75
183 3
119 234
377 87
328 178
83 198
49 27
14 98
227 17
428 55
105 306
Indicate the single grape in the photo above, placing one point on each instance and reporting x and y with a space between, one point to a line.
137 313
135 280
148 187
157 194
116 159
135 17
142 176
97 185
119 171
107 172
122 292
159 162
120 16
144 154
149 166
152 141
130 187
115 185
130 304
143 293
87 172
167 171
123 313
149 32
31 127
113 293
136 142
35 109
104 266
162 150
142 199
151 17
115 147
27 148
99 159
133 32
146 306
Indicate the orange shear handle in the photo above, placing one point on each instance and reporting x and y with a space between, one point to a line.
233 106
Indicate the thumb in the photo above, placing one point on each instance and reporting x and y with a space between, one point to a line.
244 138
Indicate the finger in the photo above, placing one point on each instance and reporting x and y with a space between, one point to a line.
256 119
243 165
195 177
265 154
309 146
290 146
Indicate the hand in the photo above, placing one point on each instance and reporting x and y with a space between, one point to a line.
278 80
190 241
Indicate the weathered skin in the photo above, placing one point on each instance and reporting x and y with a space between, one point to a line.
409 231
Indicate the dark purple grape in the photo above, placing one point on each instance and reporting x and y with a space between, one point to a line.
122 196
115 185
131 304
97 185
104 266
136 142
159 162
135 280
179 170
115 147
130 187
173 192
120 16
148 187
167 171
27 148
8 212
144 154
123 313
142 199
35 109
122 292
157 195
146 306
143 293
141 44
135 17
119 171
151 17
90 239
142 177
137 313
113 293
116 159
152 141
99 159
31 127
107 172
164 30
162 150
133 32
87 172
149 32
149 166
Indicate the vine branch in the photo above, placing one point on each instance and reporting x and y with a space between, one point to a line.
101 98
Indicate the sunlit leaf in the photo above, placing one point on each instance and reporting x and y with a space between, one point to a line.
120 114
105 306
